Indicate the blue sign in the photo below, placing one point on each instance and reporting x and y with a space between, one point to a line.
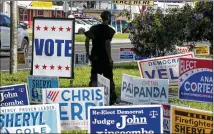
13 95
141 58
196 79
30 119
123 119
36 83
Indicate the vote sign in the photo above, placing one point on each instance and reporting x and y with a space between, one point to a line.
126 54
122 119
144 91
74 104
32 119
196 79
53 47
36 83
13 95
162 67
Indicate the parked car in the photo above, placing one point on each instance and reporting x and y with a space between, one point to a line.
124 25
80 28
23 36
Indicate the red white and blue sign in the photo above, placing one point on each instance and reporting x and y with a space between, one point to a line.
196 79
126 54
137 119
53 47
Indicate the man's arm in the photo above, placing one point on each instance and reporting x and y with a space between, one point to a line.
108 49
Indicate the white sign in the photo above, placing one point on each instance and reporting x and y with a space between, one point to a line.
53 47
74 104
104 82
166 67
32 119
144 91
182 49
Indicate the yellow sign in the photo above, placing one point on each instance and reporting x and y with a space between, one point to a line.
191 121
134 2
42 4
21 58
202 50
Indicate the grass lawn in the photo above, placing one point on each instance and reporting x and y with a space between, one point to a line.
82 75
81 38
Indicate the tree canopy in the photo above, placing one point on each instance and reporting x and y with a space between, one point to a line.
157 33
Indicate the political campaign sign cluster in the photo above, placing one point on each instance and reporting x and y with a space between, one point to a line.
87 108
74 104
143 91
196 79
122 119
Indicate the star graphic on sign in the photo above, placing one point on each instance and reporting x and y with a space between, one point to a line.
67 68
37 66
60 29
44 66
186 74
52 67
59 67
68 29
53 28
192 71
45 28
38 28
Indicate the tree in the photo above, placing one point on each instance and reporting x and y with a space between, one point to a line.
155 33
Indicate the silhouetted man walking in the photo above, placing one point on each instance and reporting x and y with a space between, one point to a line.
101 61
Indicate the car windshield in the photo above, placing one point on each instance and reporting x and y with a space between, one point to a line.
88 22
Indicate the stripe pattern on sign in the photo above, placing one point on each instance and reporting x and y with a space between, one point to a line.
52 95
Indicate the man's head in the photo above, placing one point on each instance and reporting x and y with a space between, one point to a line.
106 17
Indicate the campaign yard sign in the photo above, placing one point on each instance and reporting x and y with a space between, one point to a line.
166 67
37 83
74 103
144 91
182 49
32 119
104 82
53 47
81 59
122 119
190 121
13 95
196 79
127 54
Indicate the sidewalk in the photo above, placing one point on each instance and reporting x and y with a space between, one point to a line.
114 41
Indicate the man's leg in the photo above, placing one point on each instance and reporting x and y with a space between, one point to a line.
95 69
108 73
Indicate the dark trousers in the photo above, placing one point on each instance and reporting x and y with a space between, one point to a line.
102 67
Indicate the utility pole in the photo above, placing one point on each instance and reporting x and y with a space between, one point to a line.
13 37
